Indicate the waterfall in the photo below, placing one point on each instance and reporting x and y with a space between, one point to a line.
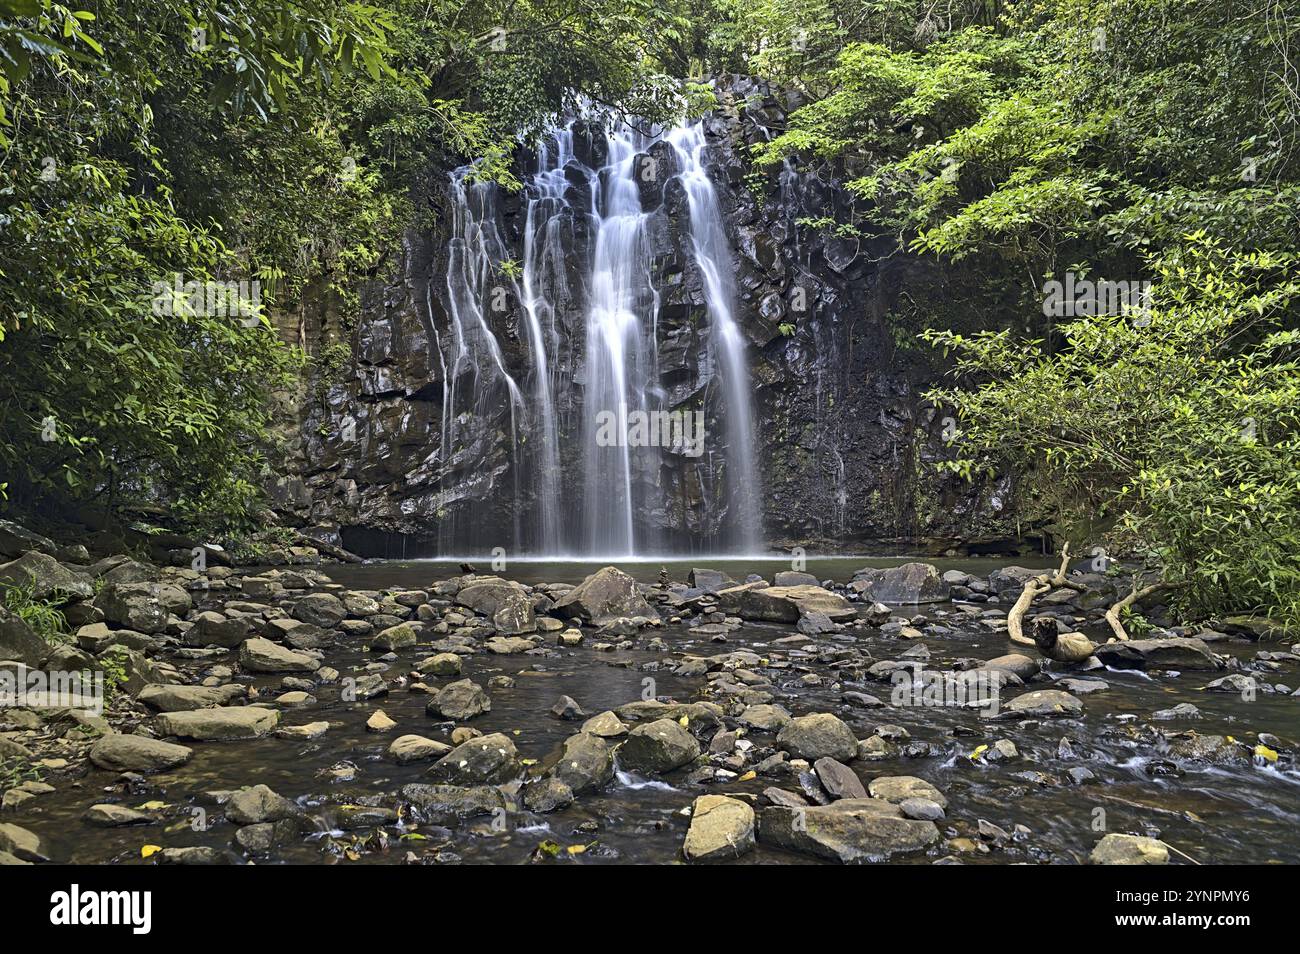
713 258
620 352
544 274
588 291
476 375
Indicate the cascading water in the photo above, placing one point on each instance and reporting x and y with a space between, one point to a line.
476 375
588 252
620 350
713 258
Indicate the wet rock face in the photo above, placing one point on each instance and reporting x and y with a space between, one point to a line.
842 436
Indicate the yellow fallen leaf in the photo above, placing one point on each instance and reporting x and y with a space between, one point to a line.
148 850
751 774
979 752
1264 752
528 761
576 849
1230 738
684 721
152 806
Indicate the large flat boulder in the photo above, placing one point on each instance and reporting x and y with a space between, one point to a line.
507 604
262 655
15 540
186 698
710 581
137 753
220 724
1174 652
606 594
785 604
46 578
850 831
906 584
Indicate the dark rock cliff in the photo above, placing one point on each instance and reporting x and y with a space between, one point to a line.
844 439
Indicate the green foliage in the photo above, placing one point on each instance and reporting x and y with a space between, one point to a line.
277 141
113 661
14 771
1178 429
43 616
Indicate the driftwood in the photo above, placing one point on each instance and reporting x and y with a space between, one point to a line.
1135 596
1034 587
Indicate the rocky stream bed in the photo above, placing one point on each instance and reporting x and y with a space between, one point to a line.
280 715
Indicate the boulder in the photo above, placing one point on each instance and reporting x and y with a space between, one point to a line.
906 584
850 831
215 629
184 698
897 789
1118 849
416 748
137 753
816 736
442 664
607 725
657 747
785 604
45 578
257 804
115 816
507 604
1174 652
15 540
219 725
508 645
18 642
394 638
22 844
488 759
606 594
1022 666
448 802
262 655
838 779
143 607
1009 581
721 827
583 762
460 701
547 795
1042 703
710 581
320 609
764 717
795 578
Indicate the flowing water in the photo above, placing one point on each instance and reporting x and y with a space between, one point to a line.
1233 813
592 223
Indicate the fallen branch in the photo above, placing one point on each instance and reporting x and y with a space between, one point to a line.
1034 587
1135 596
